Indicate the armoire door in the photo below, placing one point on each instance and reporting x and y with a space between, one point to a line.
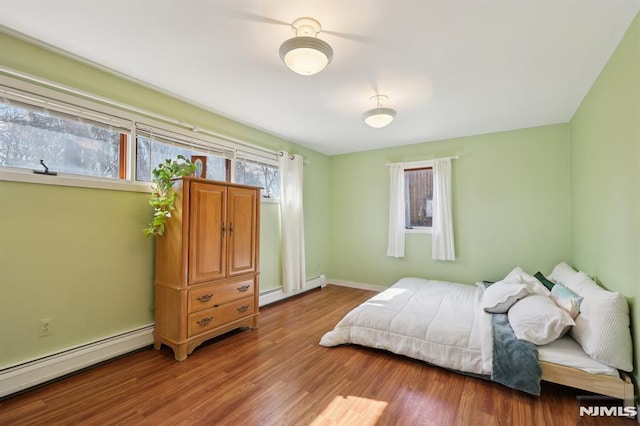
242 218
207 232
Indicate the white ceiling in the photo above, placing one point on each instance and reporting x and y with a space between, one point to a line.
450 67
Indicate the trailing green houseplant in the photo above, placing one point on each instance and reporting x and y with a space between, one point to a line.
163 197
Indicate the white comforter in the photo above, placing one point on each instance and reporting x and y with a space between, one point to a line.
438 322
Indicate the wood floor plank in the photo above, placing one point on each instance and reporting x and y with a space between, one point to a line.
279 375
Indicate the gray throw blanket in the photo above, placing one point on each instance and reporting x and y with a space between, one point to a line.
515 362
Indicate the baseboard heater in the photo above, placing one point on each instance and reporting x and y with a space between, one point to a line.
32 373
23 376
279 294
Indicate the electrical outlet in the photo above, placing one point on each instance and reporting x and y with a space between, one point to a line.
46 327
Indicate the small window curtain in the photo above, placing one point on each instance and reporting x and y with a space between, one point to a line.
292 222
395 246
442 232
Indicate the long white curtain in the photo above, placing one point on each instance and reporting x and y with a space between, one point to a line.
292 222
442 232
395 246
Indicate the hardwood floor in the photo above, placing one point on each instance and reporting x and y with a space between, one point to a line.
279 375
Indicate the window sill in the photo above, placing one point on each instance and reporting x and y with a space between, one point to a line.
270 200
11 174
418 230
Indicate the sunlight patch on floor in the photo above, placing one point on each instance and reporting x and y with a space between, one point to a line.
351 410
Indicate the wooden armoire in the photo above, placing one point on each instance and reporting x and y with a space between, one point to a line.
207 264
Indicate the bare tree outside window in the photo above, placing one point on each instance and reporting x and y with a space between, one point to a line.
66 144
257 174
418 187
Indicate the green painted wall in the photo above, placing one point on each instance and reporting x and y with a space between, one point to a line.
270 270
78 255
317 212
605 176
510 202
75 255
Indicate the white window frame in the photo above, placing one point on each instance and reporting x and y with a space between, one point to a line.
21 88
260 158
29 94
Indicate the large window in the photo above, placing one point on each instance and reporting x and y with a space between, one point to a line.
84 141
418 198
67 144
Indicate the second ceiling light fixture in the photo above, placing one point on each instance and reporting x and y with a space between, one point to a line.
379 116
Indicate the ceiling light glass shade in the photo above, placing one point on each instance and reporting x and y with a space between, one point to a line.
306 55
379 117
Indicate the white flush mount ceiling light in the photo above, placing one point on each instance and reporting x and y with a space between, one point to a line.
305 53
379 117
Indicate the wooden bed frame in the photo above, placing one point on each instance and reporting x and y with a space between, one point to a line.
616 387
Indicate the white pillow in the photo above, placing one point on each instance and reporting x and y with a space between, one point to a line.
537 319
534 285
563 273
499 297
517 275
602 328
514 275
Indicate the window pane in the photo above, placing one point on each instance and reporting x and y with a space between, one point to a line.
65 144
150 153
258 174
418 193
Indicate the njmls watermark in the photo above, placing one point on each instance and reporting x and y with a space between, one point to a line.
605 411
598 406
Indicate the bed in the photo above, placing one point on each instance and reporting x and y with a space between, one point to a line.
446 324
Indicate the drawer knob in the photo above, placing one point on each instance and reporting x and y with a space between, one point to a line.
243 308
243 288
205 298
204 321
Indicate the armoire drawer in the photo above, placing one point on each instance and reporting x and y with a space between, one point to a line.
213 295
216 316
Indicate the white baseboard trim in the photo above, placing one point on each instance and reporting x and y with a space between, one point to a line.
279 294
361 286
32 373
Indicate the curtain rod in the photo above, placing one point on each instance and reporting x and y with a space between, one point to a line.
411 163
291 157
9 72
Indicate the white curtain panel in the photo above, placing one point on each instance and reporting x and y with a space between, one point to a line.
395 246
442 231
292 222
